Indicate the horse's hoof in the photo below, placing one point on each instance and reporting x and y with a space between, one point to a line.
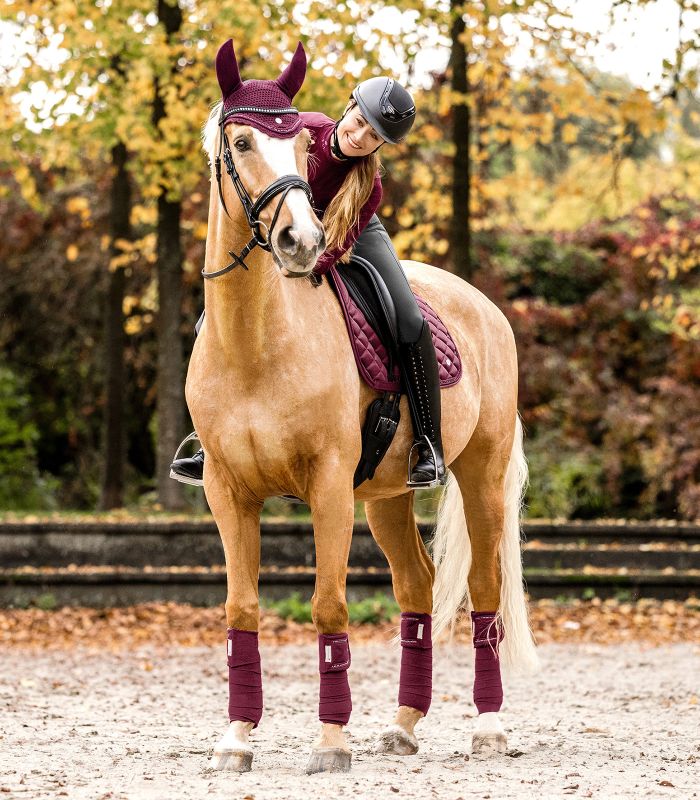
396 741
487 744
232 760
329 759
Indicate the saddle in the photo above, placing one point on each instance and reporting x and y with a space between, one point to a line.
370 318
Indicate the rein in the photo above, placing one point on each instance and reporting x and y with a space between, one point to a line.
282 186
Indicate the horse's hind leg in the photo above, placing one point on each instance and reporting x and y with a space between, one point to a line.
238 521
480 471
393 526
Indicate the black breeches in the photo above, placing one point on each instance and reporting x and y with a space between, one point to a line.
374 245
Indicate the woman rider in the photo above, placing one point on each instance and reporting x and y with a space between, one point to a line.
344 175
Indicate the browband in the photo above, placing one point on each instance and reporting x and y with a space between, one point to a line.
254 110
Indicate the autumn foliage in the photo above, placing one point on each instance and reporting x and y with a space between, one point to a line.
581 206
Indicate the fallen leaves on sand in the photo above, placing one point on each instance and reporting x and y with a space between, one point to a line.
596 621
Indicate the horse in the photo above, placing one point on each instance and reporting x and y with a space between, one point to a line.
277 402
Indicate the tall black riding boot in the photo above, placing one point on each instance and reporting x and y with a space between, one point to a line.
422 383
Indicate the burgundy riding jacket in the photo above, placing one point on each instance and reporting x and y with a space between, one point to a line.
326 176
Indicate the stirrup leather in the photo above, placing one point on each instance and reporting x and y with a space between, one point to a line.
423 484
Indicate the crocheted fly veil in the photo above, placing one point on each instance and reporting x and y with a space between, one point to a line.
264 105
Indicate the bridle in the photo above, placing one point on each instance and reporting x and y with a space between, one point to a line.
282 186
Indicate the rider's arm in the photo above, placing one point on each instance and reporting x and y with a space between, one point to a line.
330 257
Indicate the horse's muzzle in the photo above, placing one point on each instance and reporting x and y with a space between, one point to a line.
298 250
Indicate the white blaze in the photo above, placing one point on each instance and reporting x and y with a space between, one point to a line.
279 156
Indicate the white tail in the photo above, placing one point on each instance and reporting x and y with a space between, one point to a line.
452 555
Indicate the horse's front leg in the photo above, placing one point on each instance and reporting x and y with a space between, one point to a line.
332 511
238 521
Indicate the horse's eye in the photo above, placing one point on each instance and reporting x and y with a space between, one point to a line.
241 145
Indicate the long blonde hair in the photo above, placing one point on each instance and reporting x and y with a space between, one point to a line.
343 211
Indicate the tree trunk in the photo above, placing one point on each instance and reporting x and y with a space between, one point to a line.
170 402
170 367
460 233
112 493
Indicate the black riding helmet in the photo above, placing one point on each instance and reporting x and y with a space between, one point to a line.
387 106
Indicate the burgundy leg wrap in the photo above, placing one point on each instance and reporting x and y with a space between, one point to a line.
416 681
245 699
488 691
334 704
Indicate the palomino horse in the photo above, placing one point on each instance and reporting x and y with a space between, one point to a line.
277 402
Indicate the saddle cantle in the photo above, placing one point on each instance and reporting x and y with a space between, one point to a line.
370 318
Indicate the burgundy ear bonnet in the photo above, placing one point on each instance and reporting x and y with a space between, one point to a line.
264 105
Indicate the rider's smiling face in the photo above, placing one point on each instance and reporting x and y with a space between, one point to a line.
356 136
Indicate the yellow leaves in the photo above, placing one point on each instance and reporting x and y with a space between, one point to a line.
128 252
200 231
637 107
499 135
77 205
133 325
116 262
144 215
124 244
139 310
441 246
569 133
431 133
72 252
27 184
675 262
128 304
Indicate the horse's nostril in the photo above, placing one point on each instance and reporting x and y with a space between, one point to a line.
288 240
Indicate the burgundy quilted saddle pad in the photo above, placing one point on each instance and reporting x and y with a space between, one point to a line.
371 354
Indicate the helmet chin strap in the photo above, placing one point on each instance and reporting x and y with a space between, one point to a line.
335 145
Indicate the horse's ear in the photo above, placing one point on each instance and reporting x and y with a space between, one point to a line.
227 69
291 79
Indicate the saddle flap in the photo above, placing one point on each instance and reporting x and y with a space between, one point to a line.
370 318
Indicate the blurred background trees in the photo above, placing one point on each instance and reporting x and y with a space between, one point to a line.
568 195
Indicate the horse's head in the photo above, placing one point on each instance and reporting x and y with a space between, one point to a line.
267 142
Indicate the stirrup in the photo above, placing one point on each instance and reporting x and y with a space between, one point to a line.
423 484
182 478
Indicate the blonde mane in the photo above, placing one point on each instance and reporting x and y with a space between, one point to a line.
210 131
